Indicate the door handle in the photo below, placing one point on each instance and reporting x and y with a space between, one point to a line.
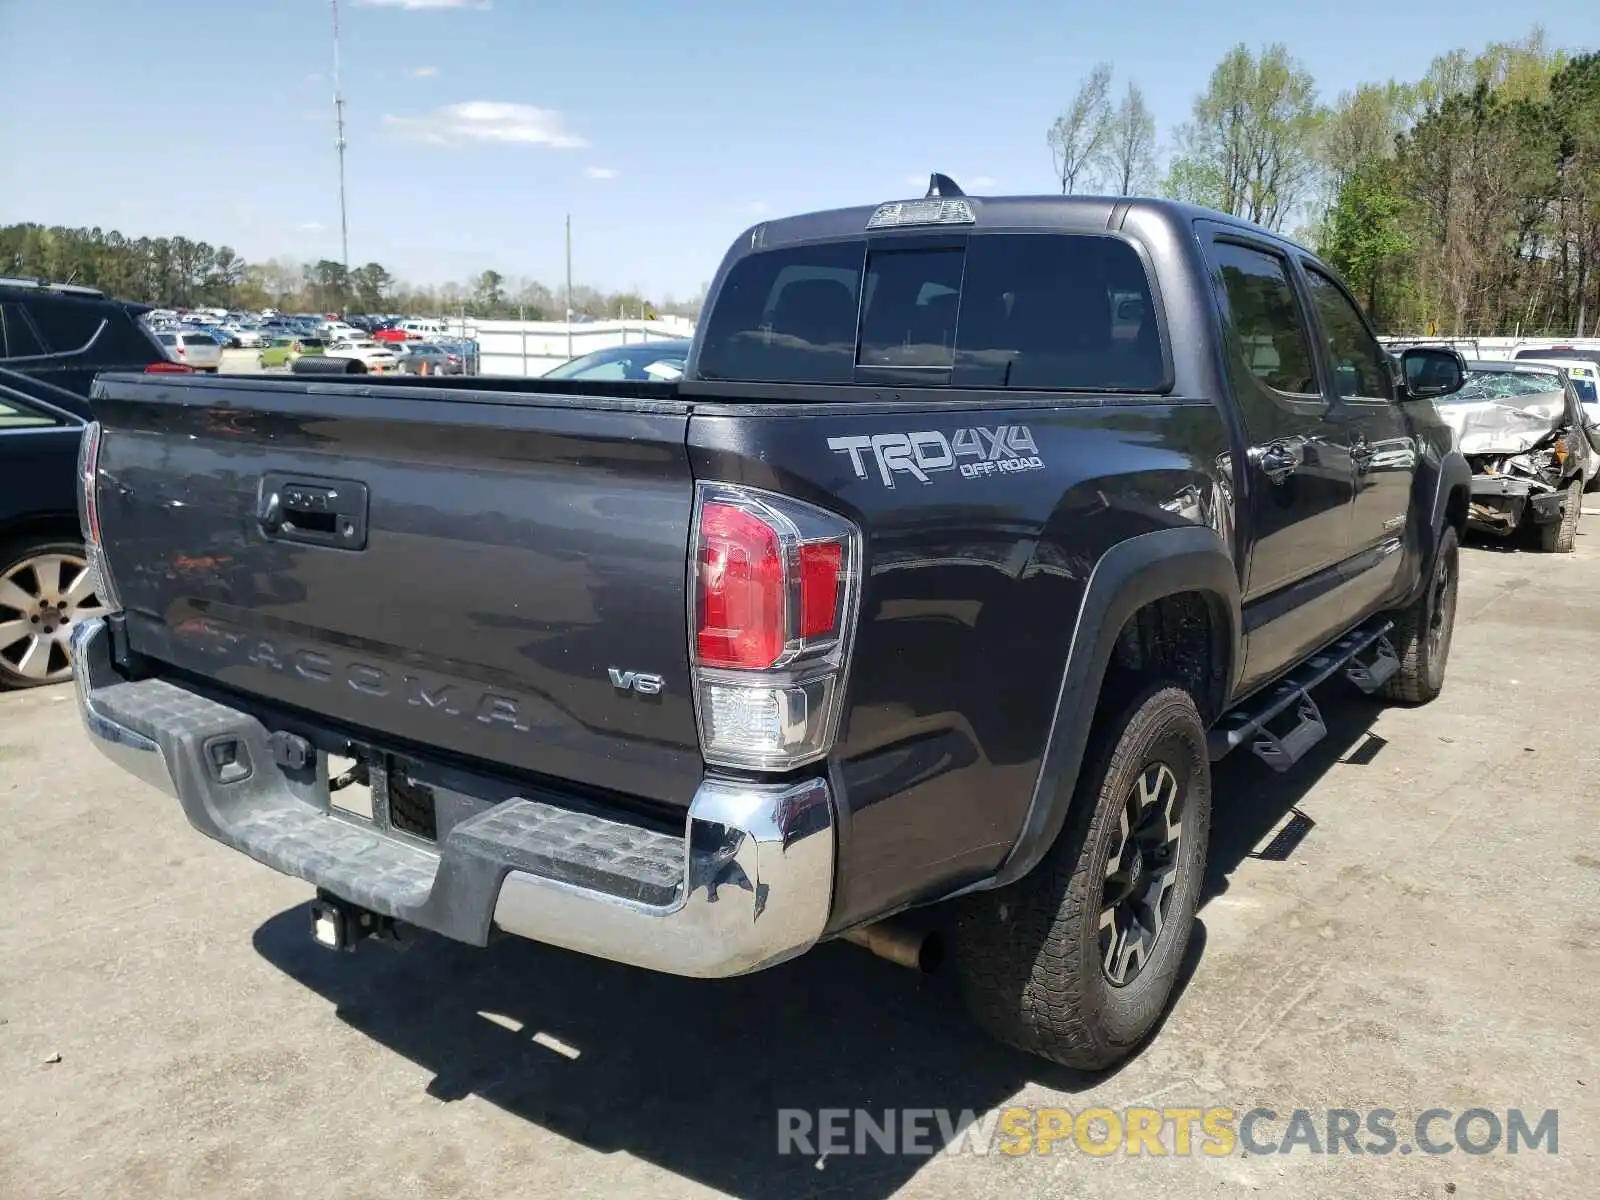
319 512
1277 461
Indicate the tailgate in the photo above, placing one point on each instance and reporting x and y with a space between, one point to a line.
466 572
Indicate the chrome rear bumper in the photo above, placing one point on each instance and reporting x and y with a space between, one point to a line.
749 885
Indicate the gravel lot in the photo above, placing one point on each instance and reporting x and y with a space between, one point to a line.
167 1028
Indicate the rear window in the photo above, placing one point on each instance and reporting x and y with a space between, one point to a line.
199 339
1036 311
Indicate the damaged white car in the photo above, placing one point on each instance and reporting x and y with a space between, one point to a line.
1532 449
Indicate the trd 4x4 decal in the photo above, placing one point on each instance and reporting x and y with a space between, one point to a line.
976 452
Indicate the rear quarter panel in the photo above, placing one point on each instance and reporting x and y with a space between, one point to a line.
974 576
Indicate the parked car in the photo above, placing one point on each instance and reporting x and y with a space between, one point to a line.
193 348
662 360
65 336
426 358
1545 353
245 337
373 355
1531 447
339 331
878 607
282 350
46 588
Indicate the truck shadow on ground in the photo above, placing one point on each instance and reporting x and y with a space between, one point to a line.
691 1075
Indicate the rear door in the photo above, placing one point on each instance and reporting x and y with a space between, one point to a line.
1383 450
1299 478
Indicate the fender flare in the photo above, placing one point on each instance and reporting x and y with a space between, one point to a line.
1128 576
1454 473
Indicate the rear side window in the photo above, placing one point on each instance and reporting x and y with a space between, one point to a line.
125 339
16 415
1264 320
17 338
66 327
1037 311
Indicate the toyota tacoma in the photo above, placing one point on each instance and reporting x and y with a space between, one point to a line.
974 532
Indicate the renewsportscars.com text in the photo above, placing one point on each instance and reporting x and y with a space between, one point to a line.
1177 1132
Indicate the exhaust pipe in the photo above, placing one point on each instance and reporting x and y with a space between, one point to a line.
903 944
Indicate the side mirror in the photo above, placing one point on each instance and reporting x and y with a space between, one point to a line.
1431 371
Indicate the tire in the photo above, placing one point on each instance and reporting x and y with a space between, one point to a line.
1423 630
1560 537
33 652
1034 960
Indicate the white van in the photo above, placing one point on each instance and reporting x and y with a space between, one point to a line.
422 331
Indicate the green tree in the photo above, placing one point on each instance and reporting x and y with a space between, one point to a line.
1365 230
330 285
1129 158
1077 138
1251 146
370 287
488 293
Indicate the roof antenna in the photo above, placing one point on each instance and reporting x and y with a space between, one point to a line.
942 185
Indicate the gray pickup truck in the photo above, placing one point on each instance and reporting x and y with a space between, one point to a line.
976 529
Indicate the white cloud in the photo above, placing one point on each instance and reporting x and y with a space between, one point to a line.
757 207
982 181
600 172
424 72
418 5
311 227
487 121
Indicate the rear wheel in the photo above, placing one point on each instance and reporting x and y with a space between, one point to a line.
45 593
1077 960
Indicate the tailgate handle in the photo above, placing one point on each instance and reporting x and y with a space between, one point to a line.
319 512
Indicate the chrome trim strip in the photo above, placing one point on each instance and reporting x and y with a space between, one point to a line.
758 887
90 649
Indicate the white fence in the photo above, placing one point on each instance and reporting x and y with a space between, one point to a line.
533 347
1491 349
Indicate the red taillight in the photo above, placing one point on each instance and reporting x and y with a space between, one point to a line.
775 586
741 582
169 368
821 564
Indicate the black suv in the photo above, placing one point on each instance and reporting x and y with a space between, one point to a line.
65 335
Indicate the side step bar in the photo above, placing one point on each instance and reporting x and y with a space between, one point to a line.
1367 659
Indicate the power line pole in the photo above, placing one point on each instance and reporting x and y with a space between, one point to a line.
338 116
569 287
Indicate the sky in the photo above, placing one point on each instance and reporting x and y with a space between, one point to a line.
664 127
